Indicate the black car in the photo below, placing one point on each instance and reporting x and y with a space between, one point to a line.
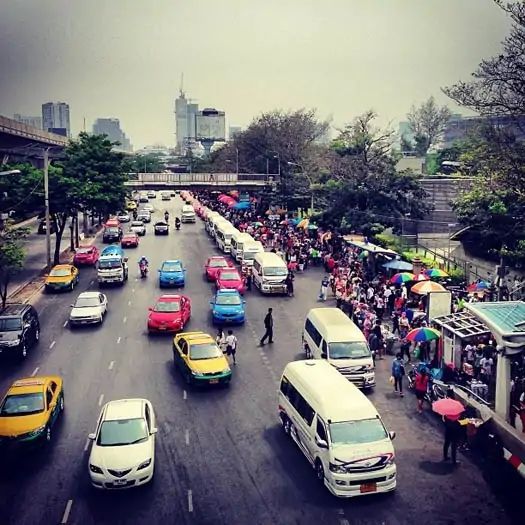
161 228
112 235
42 227
19 330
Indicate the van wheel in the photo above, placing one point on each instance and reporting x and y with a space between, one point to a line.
319 471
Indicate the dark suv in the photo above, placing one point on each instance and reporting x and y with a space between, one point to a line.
112 234
19 329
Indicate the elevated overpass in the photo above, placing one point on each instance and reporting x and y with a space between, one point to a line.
201 181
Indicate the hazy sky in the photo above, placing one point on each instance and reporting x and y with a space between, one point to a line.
124 58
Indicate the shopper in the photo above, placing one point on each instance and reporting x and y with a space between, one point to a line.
398 372
231 346
421 386
220 339
452 437
268 327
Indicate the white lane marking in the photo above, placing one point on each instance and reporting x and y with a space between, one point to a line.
65 516
35 371
136 279
111 365
86 446
187 436
129 303
125 320
92 282
133 290
118 339
65 324
344 522
53 343
184 394
100 399
190 501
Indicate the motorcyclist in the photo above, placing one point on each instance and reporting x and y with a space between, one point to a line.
166 215
143 262
135 214
177 223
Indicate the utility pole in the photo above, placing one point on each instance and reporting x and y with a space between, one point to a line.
46 205
237 161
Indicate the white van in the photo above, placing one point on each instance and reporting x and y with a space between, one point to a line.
338 430
216 222
249 250
236 244
269 273
330 334
225 232
209 221
188 214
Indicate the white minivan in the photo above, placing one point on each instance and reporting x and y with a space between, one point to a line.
218 221
224 234
188 214
249 250
210 217
330 334
338 429
269 273
237 242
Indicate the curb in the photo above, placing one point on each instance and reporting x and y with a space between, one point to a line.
515 462
25 223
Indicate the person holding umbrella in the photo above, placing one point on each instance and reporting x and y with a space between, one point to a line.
450 410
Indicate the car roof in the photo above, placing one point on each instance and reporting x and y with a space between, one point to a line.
227 291
130 234
195 337
29 385
167 298
228 270
86 247
171 261
217 257
62 267
87 295
124 409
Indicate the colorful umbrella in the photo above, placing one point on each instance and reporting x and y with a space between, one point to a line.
421 277
424 334
326 236
449 408
284 223
425 287
398 265
479 287
223 197
363 255
403 277
303 223
257 224
313 227
435 273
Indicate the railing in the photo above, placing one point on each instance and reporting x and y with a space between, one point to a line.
137 179
13 127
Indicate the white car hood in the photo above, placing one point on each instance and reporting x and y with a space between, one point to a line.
121 458
85 312
137 228
366 453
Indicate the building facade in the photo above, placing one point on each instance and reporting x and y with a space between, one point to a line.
111 128
36 122
185 112
55 115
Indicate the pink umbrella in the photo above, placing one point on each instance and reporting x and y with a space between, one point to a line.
448 408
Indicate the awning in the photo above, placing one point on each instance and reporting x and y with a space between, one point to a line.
462 324
371 248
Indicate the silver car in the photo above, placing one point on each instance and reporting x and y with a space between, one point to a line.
138 227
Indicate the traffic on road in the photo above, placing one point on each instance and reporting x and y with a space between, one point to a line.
157 382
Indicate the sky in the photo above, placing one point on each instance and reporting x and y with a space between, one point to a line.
125 58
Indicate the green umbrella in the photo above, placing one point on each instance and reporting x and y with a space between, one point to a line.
312 227
363 254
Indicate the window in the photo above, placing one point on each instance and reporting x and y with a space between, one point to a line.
325 348
298 401
321 430
183 346
53 386
312 331
49 397
284 386
148 417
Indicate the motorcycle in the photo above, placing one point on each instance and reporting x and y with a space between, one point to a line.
167 217
177 225
143 270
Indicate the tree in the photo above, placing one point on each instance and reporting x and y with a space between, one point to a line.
365 192
146 164
428 122
498 85
12 255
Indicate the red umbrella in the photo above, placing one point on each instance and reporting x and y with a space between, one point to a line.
448 408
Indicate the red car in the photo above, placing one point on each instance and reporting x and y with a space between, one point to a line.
214 264
229 279
130 240
86 256
170 314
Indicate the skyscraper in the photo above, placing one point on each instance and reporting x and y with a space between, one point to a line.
111 128
36 122
185 112
55 116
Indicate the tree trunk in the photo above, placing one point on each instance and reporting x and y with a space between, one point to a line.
61 226
3 290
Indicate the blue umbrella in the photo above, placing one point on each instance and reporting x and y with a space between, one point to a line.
295 222
244 205
113 250
398 265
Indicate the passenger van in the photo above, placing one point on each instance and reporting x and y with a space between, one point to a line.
249 250
330 334
269 273
218 221
188 214
338 430
209 221
225 232
236 244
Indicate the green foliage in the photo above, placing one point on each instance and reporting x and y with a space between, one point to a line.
12 254
145 164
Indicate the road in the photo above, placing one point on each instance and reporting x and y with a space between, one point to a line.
222 457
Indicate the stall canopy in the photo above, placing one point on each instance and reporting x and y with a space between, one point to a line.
462 324
371 248
506 321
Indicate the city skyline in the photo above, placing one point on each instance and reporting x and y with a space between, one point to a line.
342 58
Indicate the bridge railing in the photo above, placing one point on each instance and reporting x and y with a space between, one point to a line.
13 127
202 178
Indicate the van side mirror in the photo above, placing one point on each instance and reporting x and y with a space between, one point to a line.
91 437
321 443
150 309
392 435
324 355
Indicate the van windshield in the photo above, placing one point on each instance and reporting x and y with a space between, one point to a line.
348 350
275 271
357 432
109 265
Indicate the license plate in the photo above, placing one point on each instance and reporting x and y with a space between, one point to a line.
120 481
213 381
368 487
162 328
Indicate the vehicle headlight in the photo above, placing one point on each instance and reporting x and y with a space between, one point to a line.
369 368
95 469
37 431
13 342
216 312
144 464
196 374
338 469
391 461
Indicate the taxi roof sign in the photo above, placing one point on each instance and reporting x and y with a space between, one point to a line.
29 382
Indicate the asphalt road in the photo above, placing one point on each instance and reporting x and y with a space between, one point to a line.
222 457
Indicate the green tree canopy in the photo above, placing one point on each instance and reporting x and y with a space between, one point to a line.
12 255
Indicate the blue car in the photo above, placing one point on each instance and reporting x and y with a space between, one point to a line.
228 307
112 250
172 273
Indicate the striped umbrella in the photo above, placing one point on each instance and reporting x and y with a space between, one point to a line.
403 277
421 277
435 273
482 286
424 334
424 287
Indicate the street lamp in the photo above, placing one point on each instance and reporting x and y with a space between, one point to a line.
449 226
46 207
309 183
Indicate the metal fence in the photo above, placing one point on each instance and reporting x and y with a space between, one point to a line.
202 178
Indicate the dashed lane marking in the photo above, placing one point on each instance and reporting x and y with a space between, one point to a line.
129 303
344 521
111 365
118 339
53 343
184 394
187 436
35 371
86 446
92 282
133 290
65 324
67 511
100 399
190 501
125 320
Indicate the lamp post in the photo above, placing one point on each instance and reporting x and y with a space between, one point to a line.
309 183
46 206
449 226
237 161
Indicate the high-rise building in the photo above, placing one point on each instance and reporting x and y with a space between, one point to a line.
185 112
55 115
233 131
111 128
36 122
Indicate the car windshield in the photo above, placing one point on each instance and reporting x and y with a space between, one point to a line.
138 224
167 306
84 250
217 263
87 302
10 324
204 351
171 267
107 265
61 272
229 276
122 432
357 432
112 230
228 299
348 350
276 271
23 405
249 256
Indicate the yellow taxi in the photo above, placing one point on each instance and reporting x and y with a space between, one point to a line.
30 409
200 360
131 205
63 277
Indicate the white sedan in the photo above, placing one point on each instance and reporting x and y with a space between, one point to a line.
148 207
123 451
89 308
138 227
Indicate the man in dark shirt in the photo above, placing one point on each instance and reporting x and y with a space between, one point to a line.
268 327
